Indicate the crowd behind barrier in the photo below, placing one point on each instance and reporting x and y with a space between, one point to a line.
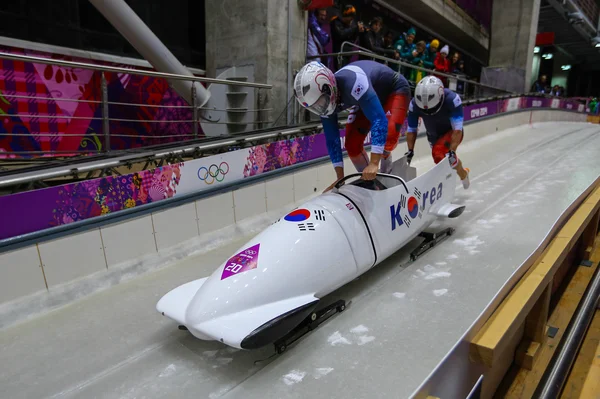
329 35
338 29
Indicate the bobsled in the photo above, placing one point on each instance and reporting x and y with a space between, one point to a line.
272 286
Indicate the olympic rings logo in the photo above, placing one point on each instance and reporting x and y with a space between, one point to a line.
250 252
213 173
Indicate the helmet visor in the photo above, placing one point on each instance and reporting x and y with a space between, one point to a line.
321 106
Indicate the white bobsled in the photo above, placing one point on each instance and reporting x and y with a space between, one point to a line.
274 283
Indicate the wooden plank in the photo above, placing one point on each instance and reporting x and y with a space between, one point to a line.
584 378
520 382
494 376
535 331
536 320
589 236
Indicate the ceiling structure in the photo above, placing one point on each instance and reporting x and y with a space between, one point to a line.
573 29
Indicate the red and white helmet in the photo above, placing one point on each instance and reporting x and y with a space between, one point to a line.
316 88
429 94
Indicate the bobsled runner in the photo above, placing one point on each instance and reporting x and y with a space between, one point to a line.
269 291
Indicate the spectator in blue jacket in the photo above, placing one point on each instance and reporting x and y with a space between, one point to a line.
317 37
540 85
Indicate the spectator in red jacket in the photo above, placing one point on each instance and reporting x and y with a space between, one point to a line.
442 63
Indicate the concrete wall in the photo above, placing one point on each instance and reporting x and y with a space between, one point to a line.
514 29
54 273
446 21
457 17
255 32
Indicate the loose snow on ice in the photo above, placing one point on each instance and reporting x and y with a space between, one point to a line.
294 377
399 295
452 256
168 371
441 263
440 292
224 360
363 339
337 339
359 329
437 275
210 353
470 244
322 371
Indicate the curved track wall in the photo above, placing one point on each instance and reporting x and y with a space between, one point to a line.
38 211
47 274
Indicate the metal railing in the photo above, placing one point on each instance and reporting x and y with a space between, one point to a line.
105 106
363 52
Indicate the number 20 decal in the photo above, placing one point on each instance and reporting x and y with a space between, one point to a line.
234 267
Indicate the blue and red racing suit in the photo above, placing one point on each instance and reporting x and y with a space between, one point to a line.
379 98
440 125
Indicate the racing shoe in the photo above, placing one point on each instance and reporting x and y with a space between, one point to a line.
466 183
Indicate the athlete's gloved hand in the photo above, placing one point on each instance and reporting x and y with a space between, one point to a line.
453 158
409 156
370 172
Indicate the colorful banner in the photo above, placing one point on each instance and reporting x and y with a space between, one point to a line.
49 123
41 209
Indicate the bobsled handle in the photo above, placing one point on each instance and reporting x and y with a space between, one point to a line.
340 182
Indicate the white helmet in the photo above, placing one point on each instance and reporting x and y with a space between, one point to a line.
429 94
316 88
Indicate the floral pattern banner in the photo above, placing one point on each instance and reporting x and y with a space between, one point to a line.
56 119
37 210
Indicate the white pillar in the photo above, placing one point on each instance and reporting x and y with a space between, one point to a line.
135 31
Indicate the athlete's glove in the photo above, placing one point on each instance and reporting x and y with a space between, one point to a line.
409 156
452 158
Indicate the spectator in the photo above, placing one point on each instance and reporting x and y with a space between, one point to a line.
371 39
540 85
460 72
442 63
418 60
454 61
405 45
459 68
557 91
431 54
344 29
317 37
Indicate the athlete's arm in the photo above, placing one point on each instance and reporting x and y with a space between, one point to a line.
456 120
334 143
371 106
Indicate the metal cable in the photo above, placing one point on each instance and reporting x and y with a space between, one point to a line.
51 99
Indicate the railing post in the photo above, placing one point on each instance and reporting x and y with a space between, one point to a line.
105 121
194 111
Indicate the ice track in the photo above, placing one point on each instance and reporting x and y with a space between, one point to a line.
403 320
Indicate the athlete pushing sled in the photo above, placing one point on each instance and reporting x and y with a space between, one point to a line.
442 113
379 100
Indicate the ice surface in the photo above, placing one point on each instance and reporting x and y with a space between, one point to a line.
115 345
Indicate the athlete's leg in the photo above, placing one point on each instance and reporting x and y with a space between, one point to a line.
356 130
395 109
